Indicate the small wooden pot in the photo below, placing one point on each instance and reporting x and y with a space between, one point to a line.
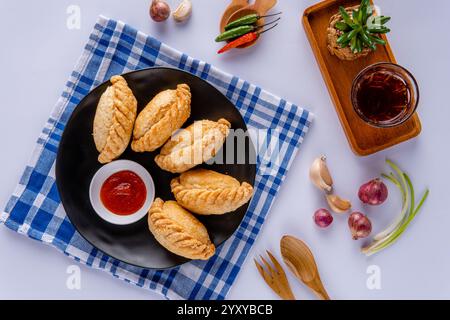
333 34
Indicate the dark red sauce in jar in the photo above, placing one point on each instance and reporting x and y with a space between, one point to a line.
123 193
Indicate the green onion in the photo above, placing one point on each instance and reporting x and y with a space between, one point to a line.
409 211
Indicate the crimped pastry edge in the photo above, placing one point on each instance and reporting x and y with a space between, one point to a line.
205 201
166 231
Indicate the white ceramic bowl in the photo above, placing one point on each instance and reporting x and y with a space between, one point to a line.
104 173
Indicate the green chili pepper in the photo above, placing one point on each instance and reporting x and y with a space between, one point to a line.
234 33
240 31
248 20
245 20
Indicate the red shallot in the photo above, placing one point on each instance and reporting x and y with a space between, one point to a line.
373 192
323 218
159 10
360 225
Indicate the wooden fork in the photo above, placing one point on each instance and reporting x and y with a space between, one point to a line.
275 277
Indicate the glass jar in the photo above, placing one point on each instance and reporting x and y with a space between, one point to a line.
385 95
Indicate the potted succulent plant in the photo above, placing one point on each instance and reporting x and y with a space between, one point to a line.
355 31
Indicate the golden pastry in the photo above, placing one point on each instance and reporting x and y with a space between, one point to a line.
114 120
179 231
194 145
208 192
162 116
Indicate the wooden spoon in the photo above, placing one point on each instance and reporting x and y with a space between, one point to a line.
301 262
260 7
234 6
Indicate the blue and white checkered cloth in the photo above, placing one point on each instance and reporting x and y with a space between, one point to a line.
35 208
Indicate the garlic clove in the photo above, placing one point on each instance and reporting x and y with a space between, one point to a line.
338 204
183 11
320 175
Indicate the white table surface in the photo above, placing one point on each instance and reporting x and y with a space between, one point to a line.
39 52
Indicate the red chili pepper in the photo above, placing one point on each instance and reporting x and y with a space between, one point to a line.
246 38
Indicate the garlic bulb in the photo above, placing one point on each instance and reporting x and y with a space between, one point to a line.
320 175
183 11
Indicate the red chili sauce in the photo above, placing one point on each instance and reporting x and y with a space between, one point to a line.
123 193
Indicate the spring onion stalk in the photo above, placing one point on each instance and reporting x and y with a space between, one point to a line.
398 220
406 196
409 211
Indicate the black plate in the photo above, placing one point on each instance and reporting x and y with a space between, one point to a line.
76 164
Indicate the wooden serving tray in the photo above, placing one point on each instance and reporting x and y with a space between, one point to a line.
338 75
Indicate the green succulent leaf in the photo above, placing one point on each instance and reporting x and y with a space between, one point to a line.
355 17
367 42
377 40
359 46
352 34
371 21
342 26
364 15
381 19
354 26
379 30
365 3
374 21
361 16
345 16
343 37
364 8
369 12
344 44
344 40
353 44
361 28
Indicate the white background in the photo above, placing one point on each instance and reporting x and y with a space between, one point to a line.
38 53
